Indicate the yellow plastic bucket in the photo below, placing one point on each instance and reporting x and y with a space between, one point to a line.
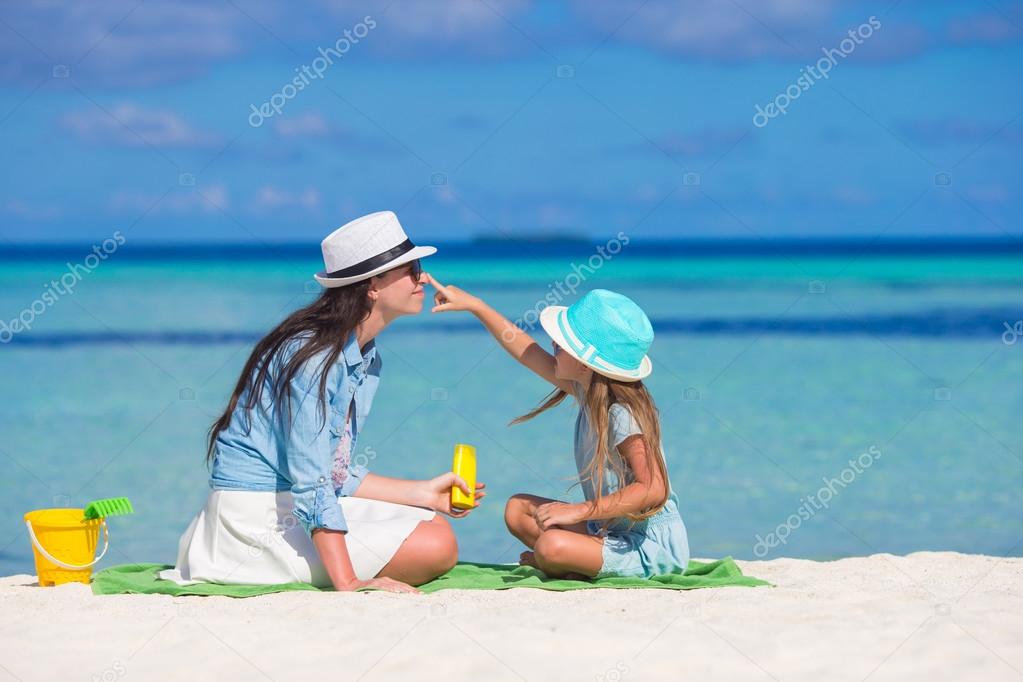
64 544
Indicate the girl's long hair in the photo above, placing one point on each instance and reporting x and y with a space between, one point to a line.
603 392
326 325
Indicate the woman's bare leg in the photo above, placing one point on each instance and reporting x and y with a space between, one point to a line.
430 551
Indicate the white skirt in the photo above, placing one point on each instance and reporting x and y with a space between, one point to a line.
245 537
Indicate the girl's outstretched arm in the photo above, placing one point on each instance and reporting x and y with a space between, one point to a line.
517 342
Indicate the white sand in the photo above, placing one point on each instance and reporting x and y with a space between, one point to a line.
928 616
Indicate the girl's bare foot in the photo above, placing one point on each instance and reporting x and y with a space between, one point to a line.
528 559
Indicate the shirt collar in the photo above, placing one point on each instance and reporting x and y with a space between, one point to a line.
354 356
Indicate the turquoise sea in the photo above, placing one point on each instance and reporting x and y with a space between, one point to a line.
772 369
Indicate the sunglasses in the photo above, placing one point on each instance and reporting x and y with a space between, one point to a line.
415 271
555 346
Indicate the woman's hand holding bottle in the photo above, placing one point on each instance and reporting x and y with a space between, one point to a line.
436 494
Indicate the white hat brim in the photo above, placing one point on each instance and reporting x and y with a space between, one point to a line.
549 322
415 253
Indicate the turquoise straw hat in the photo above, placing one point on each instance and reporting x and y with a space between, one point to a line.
605 331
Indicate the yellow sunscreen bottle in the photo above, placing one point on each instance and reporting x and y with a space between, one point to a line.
464 465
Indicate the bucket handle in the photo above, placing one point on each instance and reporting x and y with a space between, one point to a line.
58 562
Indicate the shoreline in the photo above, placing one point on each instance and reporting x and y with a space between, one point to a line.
944 614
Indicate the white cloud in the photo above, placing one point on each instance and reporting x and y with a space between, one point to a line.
121 42
461 20
987 28
214 194
273 198
208 199
125 43
961 131
853 195
315 126
989 194
551 215
27 211
718 30
701 143
308 124
783 29
130 125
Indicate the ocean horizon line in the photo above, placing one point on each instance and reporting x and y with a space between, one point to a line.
984 323
708 247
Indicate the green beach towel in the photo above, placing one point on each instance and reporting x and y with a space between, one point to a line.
466 575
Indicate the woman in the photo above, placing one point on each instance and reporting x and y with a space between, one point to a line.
288 504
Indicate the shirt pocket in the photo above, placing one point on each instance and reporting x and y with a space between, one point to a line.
339 403
335 424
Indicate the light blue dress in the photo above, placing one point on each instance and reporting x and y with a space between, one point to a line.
655 546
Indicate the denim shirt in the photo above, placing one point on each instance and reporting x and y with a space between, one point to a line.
258 452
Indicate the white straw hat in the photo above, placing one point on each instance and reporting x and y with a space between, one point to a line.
365 247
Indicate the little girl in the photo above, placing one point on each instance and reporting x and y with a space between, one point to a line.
629 524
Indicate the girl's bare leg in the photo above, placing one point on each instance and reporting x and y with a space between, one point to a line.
518 517
568 551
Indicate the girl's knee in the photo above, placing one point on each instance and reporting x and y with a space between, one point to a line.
515 509
551 548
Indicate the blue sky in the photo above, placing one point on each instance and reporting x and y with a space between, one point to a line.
509 117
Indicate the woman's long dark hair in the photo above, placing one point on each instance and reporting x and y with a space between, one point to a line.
327 323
